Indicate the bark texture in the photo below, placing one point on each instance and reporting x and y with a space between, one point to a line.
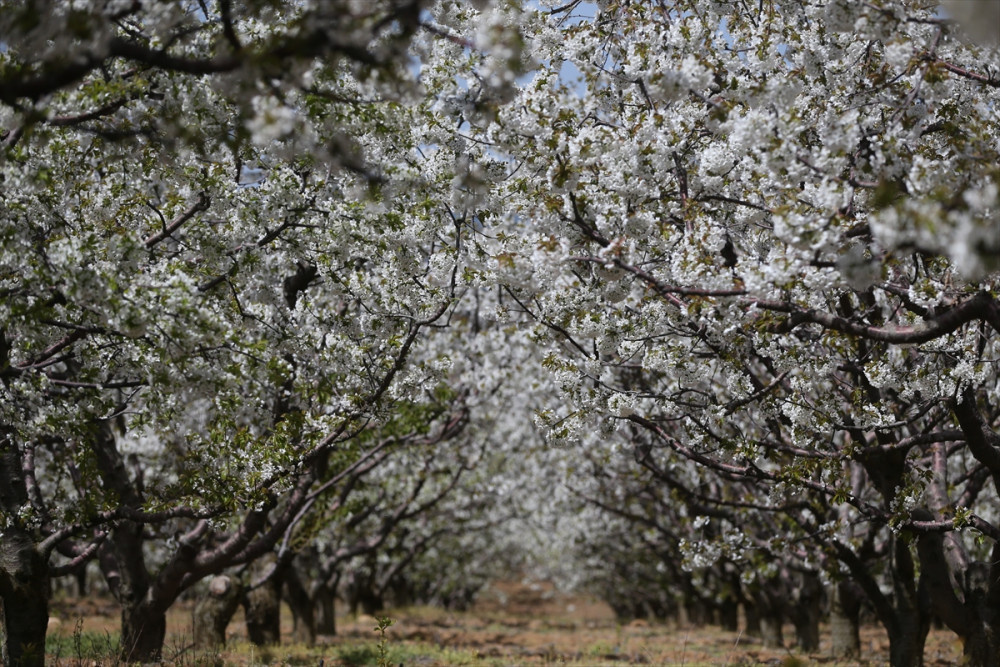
769 601
845 612
303 608
326 623
262 605
214 611
144 627
24 591
729 615
807 611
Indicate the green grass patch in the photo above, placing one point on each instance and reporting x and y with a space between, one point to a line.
81 646
368 655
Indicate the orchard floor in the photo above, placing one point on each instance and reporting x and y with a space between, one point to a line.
512 624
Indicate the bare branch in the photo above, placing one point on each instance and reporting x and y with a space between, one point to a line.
77 561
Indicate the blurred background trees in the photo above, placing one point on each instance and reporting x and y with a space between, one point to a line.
691 304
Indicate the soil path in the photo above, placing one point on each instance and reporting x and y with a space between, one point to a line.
513 623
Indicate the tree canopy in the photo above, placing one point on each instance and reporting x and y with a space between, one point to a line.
734 263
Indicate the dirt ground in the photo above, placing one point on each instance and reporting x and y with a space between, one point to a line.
513 623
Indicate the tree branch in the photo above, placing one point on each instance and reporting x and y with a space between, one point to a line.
981 306
200 204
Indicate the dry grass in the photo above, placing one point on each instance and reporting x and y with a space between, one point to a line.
513 624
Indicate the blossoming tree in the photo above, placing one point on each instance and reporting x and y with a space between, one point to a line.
764 235
754 239
223 245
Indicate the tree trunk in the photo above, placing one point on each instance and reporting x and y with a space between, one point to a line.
399 593
768 603
24 592
698 613
982 644
807 612
981 631
262 606
845 610
906 614
729 615
371 603
144 628
144 622
729 604
770 631
303 608
752 614
359 593
908 633
214 611
807 627
326 623
906 644
81 581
